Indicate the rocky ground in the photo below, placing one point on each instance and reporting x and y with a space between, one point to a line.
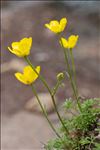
24 130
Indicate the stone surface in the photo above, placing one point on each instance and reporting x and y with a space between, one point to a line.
45 98
23 131
14 64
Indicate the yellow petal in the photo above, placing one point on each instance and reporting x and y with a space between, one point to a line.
34 75
21 48
15 45
38 68
10 49
72 41
47 25
16 52
28 70
64 42
16 49
57 27
63 23
30 74
20 77
54 25
25 46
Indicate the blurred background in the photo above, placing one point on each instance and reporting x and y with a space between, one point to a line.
23 126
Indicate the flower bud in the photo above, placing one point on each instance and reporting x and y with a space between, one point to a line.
60 76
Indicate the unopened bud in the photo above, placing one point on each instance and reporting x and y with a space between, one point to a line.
60 76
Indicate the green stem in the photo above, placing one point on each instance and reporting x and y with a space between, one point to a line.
50 92
59 115
56 88
44 111
71 80
74 70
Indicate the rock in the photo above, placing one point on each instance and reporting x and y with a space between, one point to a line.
85 92
41 57
14 64
24 131
32 104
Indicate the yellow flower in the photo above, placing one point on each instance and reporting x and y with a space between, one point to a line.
70 43
21 48
56 26
28 76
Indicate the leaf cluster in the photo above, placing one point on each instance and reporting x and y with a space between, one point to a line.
83 128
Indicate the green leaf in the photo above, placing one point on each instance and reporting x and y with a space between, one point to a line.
68 104
85 141
97 146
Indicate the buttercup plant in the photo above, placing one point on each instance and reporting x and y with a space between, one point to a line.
81 130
